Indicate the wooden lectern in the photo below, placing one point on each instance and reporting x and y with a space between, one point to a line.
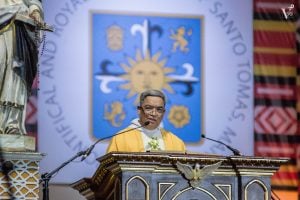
180 176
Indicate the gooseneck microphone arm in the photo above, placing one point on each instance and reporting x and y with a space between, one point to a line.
233 150
88 151
45 178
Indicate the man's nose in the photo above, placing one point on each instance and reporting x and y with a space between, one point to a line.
154 111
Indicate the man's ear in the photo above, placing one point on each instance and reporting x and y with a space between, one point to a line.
139 109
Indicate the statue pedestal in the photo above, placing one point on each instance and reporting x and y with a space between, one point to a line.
19 170
17 143
19 175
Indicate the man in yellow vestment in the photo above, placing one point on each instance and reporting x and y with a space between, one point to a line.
149 136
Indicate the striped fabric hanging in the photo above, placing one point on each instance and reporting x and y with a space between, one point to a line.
276 90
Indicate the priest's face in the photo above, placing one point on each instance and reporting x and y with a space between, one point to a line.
152 110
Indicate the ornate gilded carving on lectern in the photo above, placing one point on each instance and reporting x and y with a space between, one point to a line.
196 175
155 176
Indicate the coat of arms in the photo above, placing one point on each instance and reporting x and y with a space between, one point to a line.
132 53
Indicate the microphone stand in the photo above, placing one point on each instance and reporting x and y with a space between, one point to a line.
45 178
239 178
90 149
233 150
236 153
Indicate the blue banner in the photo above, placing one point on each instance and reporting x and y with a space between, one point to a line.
132 53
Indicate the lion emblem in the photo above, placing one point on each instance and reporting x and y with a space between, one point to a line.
114 113
179 40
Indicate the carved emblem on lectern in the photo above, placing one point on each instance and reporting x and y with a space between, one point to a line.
196 175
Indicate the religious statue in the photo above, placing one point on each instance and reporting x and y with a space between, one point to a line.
19 39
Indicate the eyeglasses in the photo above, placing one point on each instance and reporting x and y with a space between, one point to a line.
150 109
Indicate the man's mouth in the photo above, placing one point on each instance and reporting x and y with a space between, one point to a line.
152 120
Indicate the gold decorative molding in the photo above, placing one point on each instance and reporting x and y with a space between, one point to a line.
172 157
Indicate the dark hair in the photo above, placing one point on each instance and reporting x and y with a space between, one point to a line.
152 93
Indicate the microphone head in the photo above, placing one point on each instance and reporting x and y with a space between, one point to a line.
146 123
202 135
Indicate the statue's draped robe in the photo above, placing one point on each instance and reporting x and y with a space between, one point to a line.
18 62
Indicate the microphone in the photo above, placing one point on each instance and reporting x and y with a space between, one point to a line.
88 151
233 150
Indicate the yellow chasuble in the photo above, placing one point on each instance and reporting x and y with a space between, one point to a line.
133 142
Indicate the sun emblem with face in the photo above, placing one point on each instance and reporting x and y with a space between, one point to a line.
146 73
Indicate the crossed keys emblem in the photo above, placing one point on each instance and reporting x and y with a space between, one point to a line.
196 175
